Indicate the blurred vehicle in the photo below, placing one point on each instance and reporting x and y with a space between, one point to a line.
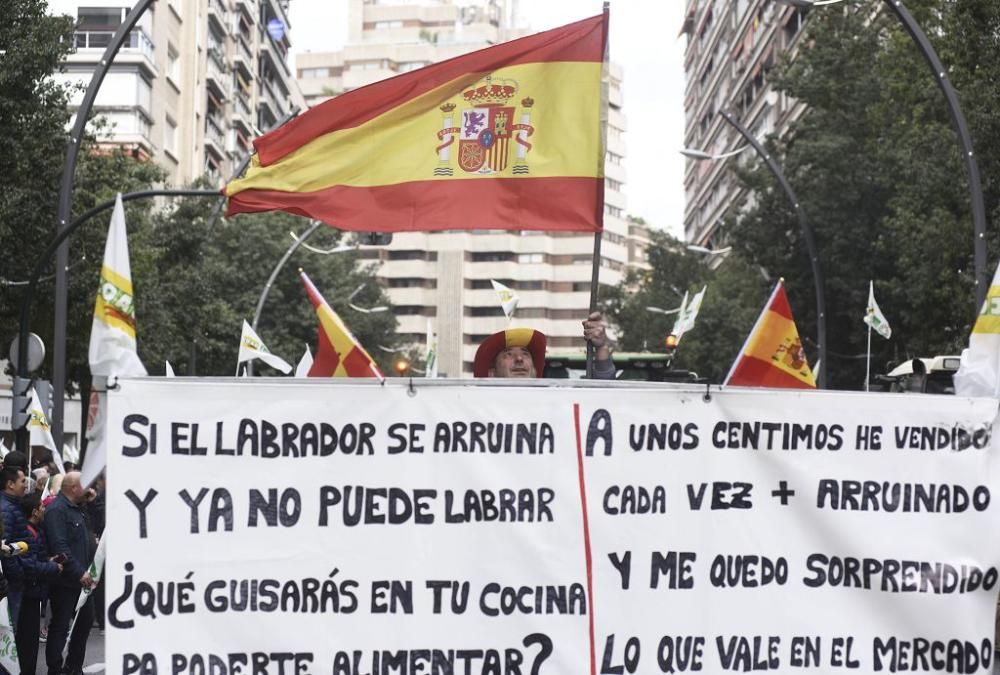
635 366
933 375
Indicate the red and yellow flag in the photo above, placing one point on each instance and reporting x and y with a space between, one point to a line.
507 137
338 353
772 355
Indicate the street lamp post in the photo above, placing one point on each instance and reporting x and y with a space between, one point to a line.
961 129
807 232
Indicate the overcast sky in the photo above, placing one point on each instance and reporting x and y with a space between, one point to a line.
643 40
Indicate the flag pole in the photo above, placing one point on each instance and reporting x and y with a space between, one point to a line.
596 265
868 358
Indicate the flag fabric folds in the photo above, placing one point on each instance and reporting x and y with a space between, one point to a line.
508 137
252 347
873 315
979 371
168 370
689 312
338 353
305 363
112 338
508 298
112 335
39 430
431 352
772 355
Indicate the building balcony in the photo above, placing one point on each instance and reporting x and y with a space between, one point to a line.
215 138
218 13
215 73
137 48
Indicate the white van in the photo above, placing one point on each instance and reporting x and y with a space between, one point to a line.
934 375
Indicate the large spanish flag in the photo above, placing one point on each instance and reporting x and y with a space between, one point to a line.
338 353
507 137
772 355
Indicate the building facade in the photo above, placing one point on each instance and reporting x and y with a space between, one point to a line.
443 278
194 83
732 46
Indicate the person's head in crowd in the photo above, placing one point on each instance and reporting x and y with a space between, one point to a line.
72 489
33 508
515 352
71 466
16 458
13 481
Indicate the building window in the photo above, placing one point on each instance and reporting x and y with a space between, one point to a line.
313 73
529 258
382 25
612 210
170 136
614 158
173 64
493 310
613 184
492 256
407 66
412 255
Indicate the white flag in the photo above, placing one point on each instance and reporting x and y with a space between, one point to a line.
8 650
251 347
304 364
39 430
71 453
508 298
678 328
979 371
3 449
168 370
112 338
686 317
874 316
431 352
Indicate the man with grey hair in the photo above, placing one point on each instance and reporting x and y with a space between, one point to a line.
69 535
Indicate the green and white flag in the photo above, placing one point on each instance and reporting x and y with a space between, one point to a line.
431 352
874 316
508 298
252 347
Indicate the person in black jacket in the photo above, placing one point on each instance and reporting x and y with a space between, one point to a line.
39 571
13 485
68 534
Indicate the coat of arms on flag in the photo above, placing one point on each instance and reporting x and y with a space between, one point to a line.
485 130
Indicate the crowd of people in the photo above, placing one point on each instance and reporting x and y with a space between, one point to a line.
51 526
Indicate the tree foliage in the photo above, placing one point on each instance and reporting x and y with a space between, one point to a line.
878 170
195 277
736 292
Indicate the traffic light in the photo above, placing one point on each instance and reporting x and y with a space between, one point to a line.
20 387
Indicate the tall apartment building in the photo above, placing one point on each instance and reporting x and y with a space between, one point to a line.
445 277
732 45
194 83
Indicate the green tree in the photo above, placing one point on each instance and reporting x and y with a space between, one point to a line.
736 293
34 115
195 284
877 168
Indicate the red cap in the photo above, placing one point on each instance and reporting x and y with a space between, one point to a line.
528 338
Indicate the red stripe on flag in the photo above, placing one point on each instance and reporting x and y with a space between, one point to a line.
357 364
580 41
555 204
753 372
780 304
326 360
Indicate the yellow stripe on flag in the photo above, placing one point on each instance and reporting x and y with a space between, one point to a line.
114 305
399 145
777 342
989 318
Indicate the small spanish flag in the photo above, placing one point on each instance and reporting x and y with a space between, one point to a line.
338 353
772 355
508 137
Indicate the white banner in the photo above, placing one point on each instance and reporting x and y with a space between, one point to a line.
513 530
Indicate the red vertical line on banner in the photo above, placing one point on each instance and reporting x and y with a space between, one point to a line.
586 536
